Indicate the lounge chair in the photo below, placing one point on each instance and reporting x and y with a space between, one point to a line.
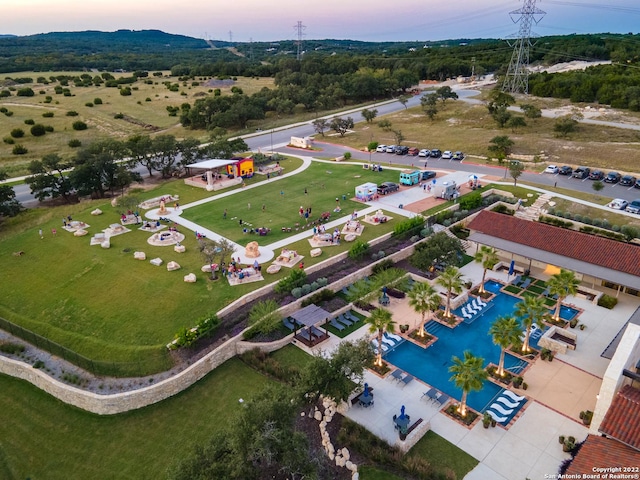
526 283
304 333
481 302
496 417
516 281
546 292
407 379
507 403
287 323
500 409
316 332
336 324
442 399
374 342
388 341
344 321
513 396
351 317
397 374
465 314
431 394
393 336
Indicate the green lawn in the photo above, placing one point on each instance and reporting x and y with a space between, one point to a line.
323 183
43 438
443 454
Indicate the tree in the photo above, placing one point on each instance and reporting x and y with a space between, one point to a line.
334 376
9 206
140 148
429 105
531 111
164 149
505 332
190 151
49 178
565 125
444 93
38 130
215 249
96 168
423 298
439 248
468 375
516 122
562 284
223 148
341 125
404 99
498 105
380 321
515 170
399 136
385 125
369 115
320 125
488 257
451 280
531 311
500 146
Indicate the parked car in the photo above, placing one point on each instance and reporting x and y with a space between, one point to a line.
381 148
581 172
458 156
424 153
388 187
427 174
596 175
391 149
628 180
447 155
402 150
618 204
637 184
612 177
565 170
634 207
413 151
551 169
435 153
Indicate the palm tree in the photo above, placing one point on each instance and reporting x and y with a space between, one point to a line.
451 279
488 257
530 310
423 298
505 331
468 375
562 284
379 322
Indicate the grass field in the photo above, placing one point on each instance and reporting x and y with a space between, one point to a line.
45 439
103 304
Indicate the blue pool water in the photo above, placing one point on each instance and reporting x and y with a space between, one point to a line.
568 313
431 365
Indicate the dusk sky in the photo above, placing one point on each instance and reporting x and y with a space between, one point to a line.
371 20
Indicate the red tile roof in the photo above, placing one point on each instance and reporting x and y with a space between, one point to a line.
617 256
601 452
622 421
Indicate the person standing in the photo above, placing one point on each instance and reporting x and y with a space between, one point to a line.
224 214
40 233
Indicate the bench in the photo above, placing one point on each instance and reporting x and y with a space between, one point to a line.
414 426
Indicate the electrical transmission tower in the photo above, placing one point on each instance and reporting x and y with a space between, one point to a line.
517 77
300 33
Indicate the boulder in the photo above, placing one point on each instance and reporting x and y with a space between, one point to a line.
156 261
97 211
351 466
182 249
317 416
340 461
80 233
191 278
345 453
106 244
355 476
139 255
172 266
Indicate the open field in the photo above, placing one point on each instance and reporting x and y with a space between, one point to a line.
145 112
103 304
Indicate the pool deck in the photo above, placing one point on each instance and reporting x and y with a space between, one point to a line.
558 391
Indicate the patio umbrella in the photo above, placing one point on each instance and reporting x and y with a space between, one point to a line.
366 390
402 411
512 267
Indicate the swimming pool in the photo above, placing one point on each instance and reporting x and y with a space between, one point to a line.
431 365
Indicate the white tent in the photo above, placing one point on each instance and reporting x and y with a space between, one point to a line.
366 192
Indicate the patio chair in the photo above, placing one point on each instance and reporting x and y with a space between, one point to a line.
351 317
316 332
430 394
407 379
336 324
287 323
516 281
345 321
384 347
496 417
393 336
388 341
396 374
304 333
442 399
526 283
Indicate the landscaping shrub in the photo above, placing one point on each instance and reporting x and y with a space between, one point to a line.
17 133
322 296
471 201
358 250
79 125
5 93
8 140
296 292
296 278
29 121
11 348
75 143
8 113
20 150
88 104
118 116
384 265
347 155
25 92
322 282
97 101
48 114
607 301
306 289
38 130
409 225
71 113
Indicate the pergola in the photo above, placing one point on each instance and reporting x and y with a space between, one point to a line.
211 165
